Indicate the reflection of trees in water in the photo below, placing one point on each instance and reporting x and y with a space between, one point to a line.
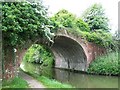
75 79
80 80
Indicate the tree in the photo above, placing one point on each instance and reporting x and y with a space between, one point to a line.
82 25
23 22
63 19
95 17
116 38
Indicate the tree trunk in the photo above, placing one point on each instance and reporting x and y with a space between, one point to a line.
8 63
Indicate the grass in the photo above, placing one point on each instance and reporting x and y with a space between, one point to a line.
105 65
16 82
49 83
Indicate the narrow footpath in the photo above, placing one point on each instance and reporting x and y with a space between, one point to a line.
31 81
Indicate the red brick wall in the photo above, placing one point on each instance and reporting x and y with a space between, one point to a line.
93 50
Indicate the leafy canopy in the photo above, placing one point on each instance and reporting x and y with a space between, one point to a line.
65 19
95 17
76 26
80 24
23 22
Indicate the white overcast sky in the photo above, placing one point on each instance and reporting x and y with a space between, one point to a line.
77 7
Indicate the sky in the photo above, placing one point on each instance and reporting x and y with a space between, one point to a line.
77 7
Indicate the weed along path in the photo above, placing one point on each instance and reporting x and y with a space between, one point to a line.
30 80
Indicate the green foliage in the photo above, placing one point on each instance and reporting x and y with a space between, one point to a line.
98 37
63 19
82 25
39 54
16 82
106 65
95 17
66 20
116 38
23 22
51 83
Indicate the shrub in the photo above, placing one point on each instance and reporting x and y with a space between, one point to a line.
63 19
107 65
40 55
98 37
82 25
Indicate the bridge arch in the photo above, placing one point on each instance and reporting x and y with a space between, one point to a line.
69 54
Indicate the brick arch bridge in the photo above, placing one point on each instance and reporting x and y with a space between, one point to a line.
74 52
70 52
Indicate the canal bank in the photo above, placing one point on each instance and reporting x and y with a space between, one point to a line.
30 80
76 79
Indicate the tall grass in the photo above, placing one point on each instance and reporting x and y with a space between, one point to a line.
106 65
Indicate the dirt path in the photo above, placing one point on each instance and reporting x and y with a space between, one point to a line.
31 81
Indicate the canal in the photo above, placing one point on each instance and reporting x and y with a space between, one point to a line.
78 80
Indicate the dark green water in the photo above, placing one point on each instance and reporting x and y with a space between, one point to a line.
77 80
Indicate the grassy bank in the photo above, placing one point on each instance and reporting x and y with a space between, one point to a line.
49 83
16 82
105 65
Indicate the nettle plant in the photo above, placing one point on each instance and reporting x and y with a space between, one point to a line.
24 22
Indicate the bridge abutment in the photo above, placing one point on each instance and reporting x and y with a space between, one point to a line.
11 61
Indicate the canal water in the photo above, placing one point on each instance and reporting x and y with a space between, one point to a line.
78 80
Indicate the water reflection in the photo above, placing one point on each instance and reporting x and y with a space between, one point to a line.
77 80
86 81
